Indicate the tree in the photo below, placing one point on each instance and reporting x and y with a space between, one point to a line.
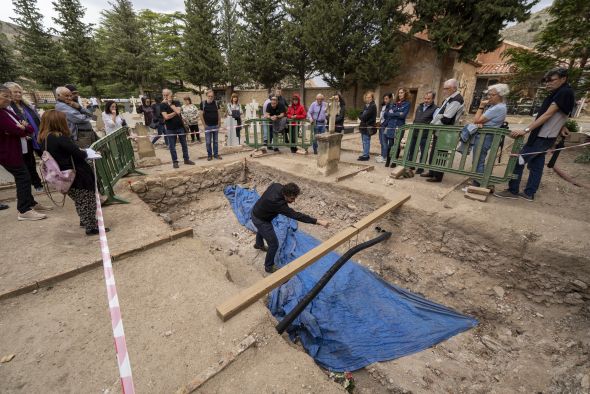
203 63
78 44
122 43
41 56
8 67
232 36
264 41
470 27
529 68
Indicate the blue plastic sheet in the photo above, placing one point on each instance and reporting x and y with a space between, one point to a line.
358 318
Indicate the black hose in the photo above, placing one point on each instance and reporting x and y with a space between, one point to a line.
287 320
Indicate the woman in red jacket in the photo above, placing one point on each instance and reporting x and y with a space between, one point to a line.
12 133
295 111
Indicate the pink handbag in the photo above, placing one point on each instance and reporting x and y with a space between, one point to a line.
60 180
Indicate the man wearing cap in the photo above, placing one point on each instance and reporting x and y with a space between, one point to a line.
543 132
77 116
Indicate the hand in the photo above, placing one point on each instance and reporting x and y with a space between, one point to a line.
24 123
324 223
517 133
564 132
74 104
92 154
483 103
479 125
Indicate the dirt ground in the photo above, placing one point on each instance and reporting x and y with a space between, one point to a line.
522 269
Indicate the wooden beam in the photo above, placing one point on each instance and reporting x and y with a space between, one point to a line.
343 177
248 296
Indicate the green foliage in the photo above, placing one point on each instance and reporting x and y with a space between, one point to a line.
300 65
572 126
353 113
41 57
264 41
79 46
530 67
203 63
471 27
8 67
231 35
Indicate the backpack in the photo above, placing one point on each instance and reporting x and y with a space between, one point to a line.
54 177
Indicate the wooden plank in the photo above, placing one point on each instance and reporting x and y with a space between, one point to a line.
397 172
343 177
248 296
214 370
484 191
477 197
442 196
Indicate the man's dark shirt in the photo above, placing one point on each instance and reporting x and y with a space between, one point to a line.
272 202
424 116
174 123
210 113
279 109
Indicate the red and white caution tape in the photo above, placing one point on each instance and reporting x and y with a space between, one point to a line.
550 150
114 308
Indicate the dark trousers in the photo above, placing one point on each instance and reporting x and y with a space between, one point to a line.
413 146
535 164
435 174
265 231
31 165
85 202
194 130
173 134
24 197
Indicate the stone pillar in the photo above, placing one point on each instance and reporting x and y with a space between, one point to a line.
145 148
328 152
99 121
333 110
232 138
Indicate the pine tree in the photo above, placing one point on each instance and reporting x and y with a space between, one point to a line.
41 56
79 46
123 44
232 36
8 67
203 63
264 41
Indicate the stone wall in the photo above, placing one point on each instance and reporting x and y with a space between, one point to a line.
165 192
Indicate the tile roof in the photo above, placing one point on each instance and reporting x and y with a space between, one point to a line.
495 69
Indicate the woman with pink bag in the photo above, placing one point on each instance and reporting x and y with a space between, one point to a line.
54 137
13 132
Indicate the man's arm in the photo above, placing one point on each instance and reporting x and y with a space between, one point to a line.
293 214
540 121
167 115
448 117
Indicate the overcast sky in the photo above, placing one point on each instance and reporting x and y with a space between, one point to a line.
93 8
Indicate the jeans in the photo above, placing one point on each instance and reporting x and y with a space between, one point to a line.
366 139
318 128
31 164
211 139
161 130
487 144
265 132
535 166
410 154
24 197
265 231
181 134
383 142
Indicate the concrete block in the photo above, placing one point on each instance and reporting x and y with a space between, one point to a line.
478 190
328 152
397 172
477 197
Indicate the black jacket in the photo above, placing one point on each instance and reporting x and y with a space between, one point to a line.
272 202
425 117
64 151
368 118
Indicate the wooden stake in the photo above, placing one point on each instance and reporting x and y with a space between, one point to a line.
343 177
478 190
247 297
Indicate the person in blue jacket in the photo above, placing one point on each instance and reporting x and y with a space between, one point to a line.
395 118
385 105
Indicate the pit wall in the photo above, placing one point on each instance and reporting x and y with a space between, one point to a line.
165 192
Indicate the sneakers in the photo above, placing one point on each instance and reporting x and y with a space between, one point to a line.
426 174
39 188
526 197
94 231
263 248
31 214
175 165
380 159
419 171
363 158
209 158
3 206
189 162
271 269
41 208
506 194
218 157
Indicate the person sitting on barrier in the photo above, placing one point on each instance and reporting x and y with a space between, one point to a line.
424 115
276 113
385 104
396 117
174 127
316 114
274 201
490 113
211 118
54 136
553 114
450 111
368 119
295 111
110 117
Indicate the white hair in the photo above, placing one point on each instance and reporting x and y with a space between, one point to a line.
319 95
166 91
62 90
452 83
501 88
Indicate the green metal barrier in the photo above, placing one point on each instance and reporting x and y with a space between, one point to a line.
299 134
441 151
117 161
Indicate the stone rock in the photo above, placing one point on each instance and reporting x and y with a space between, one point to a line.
499 291
153 181
148 162
166 217
585 383
233 167
490 343
579 284
154 193
351 207
179 191
139 187
174 181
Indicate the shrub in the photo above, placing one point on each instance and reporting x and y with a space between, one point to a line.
353 113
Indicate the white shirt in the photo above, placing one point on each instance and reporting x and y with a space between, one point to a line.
109 124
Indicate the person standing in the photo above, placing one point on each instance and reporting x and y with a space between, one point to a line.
77 119
341 114
170 110
368 119
110 117
296 111
86 134
159 120
190 116
14 130
385 105
274 201
396 117
211 118
450 111
146 109
26 112
234 109
553 114
316 114
424 115
281 100
265 126
276 113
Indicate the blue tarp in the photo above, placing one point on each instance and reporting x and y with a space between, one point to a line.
358 318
